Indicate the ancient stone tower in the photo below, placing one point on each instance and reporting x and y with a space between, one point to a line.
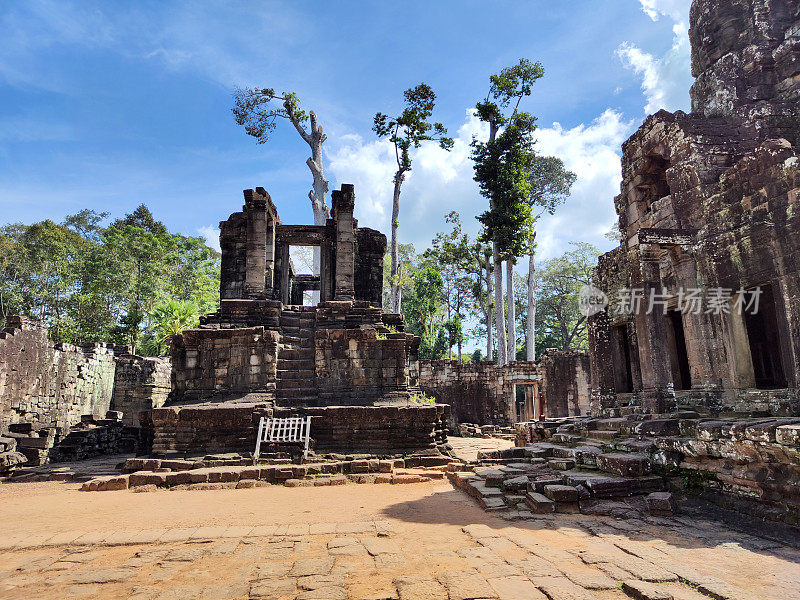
710 201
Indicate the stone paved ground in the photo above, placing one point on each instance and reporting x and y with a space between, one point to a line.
412 542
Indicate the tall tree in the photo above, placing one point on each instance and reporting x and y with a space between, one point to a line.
92 283
406 131
559 281
550 186
259 110
424 306
450 253
500 168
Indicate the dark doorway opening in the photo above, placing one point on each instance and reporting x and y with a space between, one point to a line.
679 357
762 332
620 344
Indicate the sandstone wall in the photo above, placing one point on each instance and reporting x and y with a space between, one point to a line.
357 364
220 362
205 428
140 383
378 430
709 203
481 393
565 383
232 427
51 385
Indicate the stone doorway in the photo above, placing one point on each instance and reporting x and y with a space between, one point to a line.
678 355
763 337
620 345
305 285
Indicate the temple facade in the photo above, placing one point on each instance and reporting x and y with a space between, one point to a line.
704 289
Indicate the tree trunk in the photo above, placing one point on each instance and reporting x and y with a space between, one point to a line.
512 318
531 331
320 188
488 311
395 249
499 315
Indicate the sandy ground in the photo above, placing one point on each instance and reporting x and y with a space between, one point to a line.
356 541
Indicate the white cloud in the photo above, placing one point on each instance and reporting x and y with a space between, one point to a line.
211 235
438 183
665 79
442 181
677 10
592 152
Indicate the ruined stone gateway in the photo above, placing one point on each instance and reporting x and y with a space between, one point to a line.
344 361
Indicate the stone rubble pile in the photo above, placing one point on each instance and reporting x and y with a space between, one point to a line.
750 465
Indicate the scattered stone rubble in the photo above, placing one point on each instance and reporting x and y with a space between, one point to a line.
567 474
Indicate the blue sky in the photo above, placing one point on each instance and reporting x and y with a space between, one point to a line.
106 105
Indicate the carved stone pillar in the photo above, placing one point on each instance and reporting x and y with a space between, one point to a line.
256 251
658 393
603 394
701 341
343 203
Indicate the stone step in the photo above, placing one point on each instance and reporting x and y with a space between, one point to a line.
539 503
624 465
615 424
561 464
570 439
304 374
605 435
584 455
562 493
296 393
297 354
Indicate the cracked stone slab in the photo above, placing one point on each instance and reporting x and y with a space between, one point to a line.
466 584
304 567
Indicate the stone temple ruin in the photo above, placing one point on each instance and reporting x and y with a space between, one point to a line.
344 361
700 401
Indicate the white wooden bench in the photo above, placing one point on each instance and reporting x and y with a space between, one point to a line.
289 430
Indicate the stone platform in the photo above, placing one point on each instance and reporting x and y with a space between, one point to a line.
385 431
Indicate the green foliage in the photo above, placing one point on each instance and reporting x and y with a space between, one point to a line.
477 356
504 164
560 323
169 318
503 171
411 127
421 398
550 183
260 109
91 283
452 255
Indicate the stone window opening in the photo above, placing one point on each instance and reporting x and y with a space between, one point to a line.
679 356
527 401
304 284
653 186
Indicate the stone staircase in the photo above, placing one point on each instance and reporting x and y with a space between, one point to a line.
575 468
296 384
